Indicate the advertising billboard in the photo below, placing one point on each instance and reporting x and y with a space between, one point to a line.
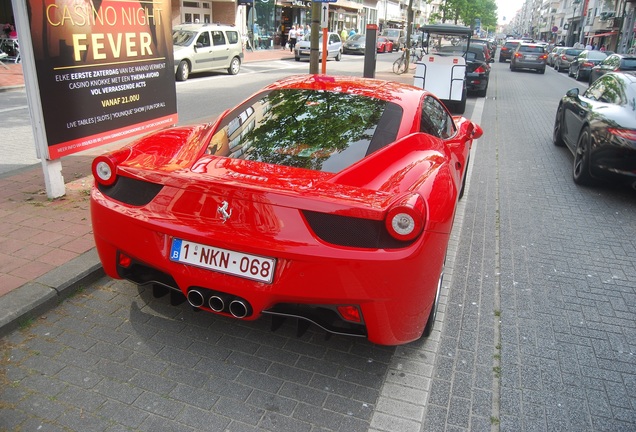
104 70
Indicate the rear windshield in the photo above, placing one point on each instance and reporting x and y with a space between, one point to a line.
532 49
309 129
511 44
391 33
476 54
356 37
573 52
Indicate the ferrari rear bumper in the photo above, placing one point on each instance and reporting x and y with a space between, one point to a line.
393 290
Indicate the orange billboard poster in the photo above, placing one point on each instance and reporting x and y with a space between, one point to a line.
104 70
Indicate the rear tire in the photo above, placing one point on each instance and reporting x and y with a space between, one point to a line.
430 322
235 66
581 168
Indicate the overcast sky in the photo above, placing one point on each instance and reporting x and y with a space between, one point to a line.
508 8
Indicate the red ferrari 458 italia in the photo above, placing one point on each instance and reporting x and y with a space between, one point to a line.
326 199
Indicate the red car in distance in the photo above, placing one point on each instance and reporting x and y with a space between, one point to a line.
384 44
328 200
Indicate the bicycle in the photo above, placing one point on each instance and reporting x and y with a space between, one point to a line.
401 65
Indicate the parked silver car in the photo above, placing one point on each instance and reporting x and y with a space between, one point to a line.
562 62
334 47
206 47
556 52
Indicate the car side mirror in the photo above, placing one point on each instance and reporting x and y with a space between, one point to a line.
573 92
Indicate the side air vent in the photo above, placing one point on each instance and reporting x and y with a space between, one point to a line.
131 191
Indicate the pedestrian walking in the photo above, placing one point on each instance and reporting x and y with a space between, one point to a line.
283 37
292 38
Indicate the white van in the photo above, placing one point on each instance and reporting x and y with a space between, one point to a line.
206 47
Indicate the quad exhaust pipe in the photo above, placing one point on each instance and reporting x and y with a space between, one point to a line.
219 302
195 298
216 303
239 309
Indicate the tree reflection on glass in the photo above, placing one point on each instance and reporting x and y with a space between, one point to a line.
305 128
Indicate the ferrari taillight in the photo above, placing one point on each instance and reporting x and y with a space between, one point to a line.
105 166
628 134
405 219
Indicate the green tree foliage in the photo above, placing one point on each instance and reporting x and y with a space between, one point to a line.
466 11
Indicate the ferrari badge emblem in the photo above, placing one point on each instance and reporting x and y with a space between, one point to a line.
222 210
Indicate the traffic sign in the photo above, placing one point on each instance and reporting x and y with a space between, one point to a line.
324 15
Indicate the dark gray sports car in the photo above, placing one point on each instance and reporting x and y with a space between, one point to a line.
599 127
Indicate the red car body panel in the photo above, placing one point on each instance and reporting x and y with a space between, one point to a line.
393 288
384 45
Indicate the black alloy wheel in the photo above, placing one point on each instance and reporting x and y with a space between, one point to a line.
581 169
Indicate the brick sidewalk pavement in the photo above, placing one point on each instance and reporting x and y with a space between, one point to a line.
46 246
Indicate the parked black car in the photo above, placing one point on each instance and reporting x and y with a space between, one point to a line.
599 128
491 46
613 63
477 66
582 64
507 49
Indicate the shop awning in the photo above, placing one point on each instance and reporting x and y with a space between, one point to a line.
604 34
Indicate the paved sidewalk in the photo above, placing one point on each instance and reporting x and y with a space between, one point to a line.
46 246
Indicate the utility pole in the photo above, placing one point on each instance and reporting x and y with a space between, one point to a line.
409 25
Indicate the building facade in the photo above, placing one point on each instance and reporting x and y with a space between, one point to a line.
598 23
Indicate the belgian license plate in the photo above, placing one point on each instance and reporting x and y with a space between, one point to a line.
304 51
239 264
531 57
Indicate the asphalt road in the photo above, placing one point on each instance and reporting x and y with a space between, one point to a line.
537 331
